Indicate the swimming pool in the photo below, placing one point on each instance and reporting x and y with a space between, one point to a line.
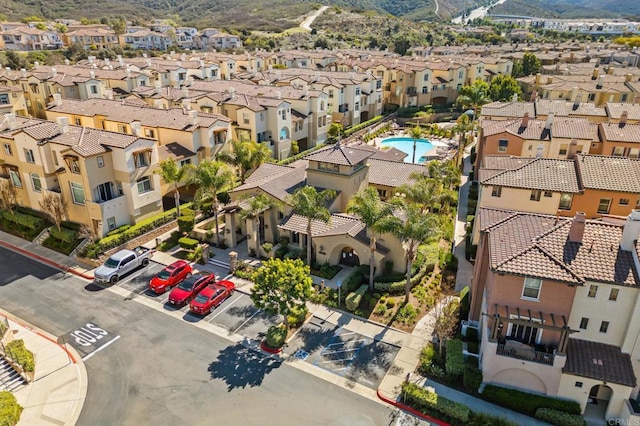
405 144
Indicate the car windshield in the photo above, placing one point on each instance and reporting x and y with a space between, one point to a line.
201 298
164 274
187 284
111 263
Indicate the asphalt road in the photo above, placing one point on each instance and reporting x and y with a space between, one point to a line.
164 371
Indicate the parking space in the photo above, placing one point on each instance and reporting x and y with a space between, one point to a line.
343 352
138 280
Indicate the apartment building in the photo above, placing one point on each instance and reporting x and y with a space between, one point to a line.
106 178
25 38
557 310
12 101
33 86
95 37
145 39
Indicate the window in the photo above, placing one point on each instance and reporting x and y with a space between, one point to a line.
144 185
531 288
634 153
185 162
548 194
29 156
496 191
77 193
122 128
604 326
4 99
329 166
584 323
15 178
382 193
94 90
111 223
578 384
149 133
593 290
613 296
35 182
604 205
7 149
77 121
502 145
100 161
55 158
563 149
535 195
618 151
565 201
357 91
140 159
624 201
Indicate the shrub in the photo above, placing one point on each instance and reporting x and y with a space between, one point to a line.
196 255
24 219
437 406
188 243
297 316
481 419
353 300
21 355
118 230
187 211
428 357
559 418
527 403
407 314
381 310
276 335
3 329
186 224
472 378
267 247
10 410
63 234
293 254
281 252
390 303
455 360
353 280
364 124
464 303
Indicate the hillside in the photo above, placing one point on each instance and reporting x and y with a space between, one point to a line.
568 9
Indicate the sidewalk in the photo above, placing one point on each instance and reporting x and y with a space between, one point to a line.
57 394
465 268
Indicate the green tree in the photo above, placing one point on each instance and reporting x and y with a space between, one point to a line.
8 196
414 133
281 287
310 203
503 88
474 96
517 71
173 174
463 125
374 214
423 193
211 177
32 18
401 44
118 25
16 60
295 148
255 205
245 156
336 130
423 115
530 64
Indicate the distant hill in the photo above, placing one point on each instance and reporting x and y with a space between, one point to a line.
568 9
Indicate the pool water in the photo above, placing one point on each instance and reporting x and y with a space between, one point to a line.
405 144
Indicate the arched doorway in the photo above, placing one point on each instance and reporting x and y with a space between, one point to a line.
598 403
349 257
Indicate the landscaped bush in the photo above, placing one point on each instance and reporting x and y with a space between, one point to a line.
119 230
435 405
10 410
23 219
188 243
276 335
464 303
364 124
3 329
186 224
297 316
353 280
559 418
353 300
63 234
481 419
293 254
267 247
527 403
281 252
196 255
454 364
429 355
407 314
170 242
472 378
21 355
326 271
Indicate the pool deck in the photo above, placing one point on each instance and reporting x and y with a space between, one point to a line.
432 154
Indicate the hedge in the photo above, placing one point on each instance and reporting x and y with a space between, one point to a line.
364 124
434 405
21 355
10 410
454 363
118 230
559 418
186 223
63 234
398 286
299 155
23 219
481 419
188 243
526 403
353 299
3 329
465 303
353 280
472 378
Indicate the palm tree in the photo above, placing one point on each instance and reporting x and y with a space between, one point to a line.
256 205
463 125
310 203
474 96
413 228
424 191
211 177
415 133
244 156
373 213
173 174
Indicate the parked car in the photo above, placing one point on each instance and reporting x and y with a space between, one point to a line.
211 297
122 263
189 287
170 276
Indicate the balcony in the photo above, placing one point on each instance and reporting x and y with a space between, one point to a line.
518 350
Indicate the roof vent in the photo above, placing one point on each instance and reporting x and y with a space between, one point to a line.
63 124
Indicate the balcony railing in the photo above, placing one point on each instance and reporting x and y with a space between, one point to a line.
524 352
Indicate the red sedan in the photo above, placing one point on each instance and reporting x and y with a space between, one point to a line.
211 297
187 289
170 276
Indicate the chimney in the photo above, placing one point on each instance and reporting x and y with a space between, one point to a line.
186 104
127 72
92 74
600 82
549 122
577 101
157 84
23 71
540 150
54 72
623 118
57 99
278 95
11 119
573 149
144 55
610 70
63 124
184 93
525 120
157 103
120 60
595 74
108 94
628 77
631 231
534 96
91 59
136 128
538 76
549 79
576 232
193 117
107 61
514 98
232 92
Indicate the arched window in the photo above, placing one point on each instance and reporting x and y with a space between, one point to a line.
284 133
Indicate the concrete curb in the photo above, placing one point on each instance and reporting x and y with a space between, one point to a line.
410 410
41 259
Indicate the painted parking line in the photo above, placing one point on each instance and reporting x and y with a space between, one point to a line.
344 343
248 319
225 308
89 355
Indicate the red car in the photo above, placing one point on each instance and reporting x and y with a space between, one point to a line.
211 297
170 276
187 289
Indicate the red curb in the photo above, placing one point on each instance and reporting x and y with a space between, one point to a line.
47 261
28 327
410 409
266 348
